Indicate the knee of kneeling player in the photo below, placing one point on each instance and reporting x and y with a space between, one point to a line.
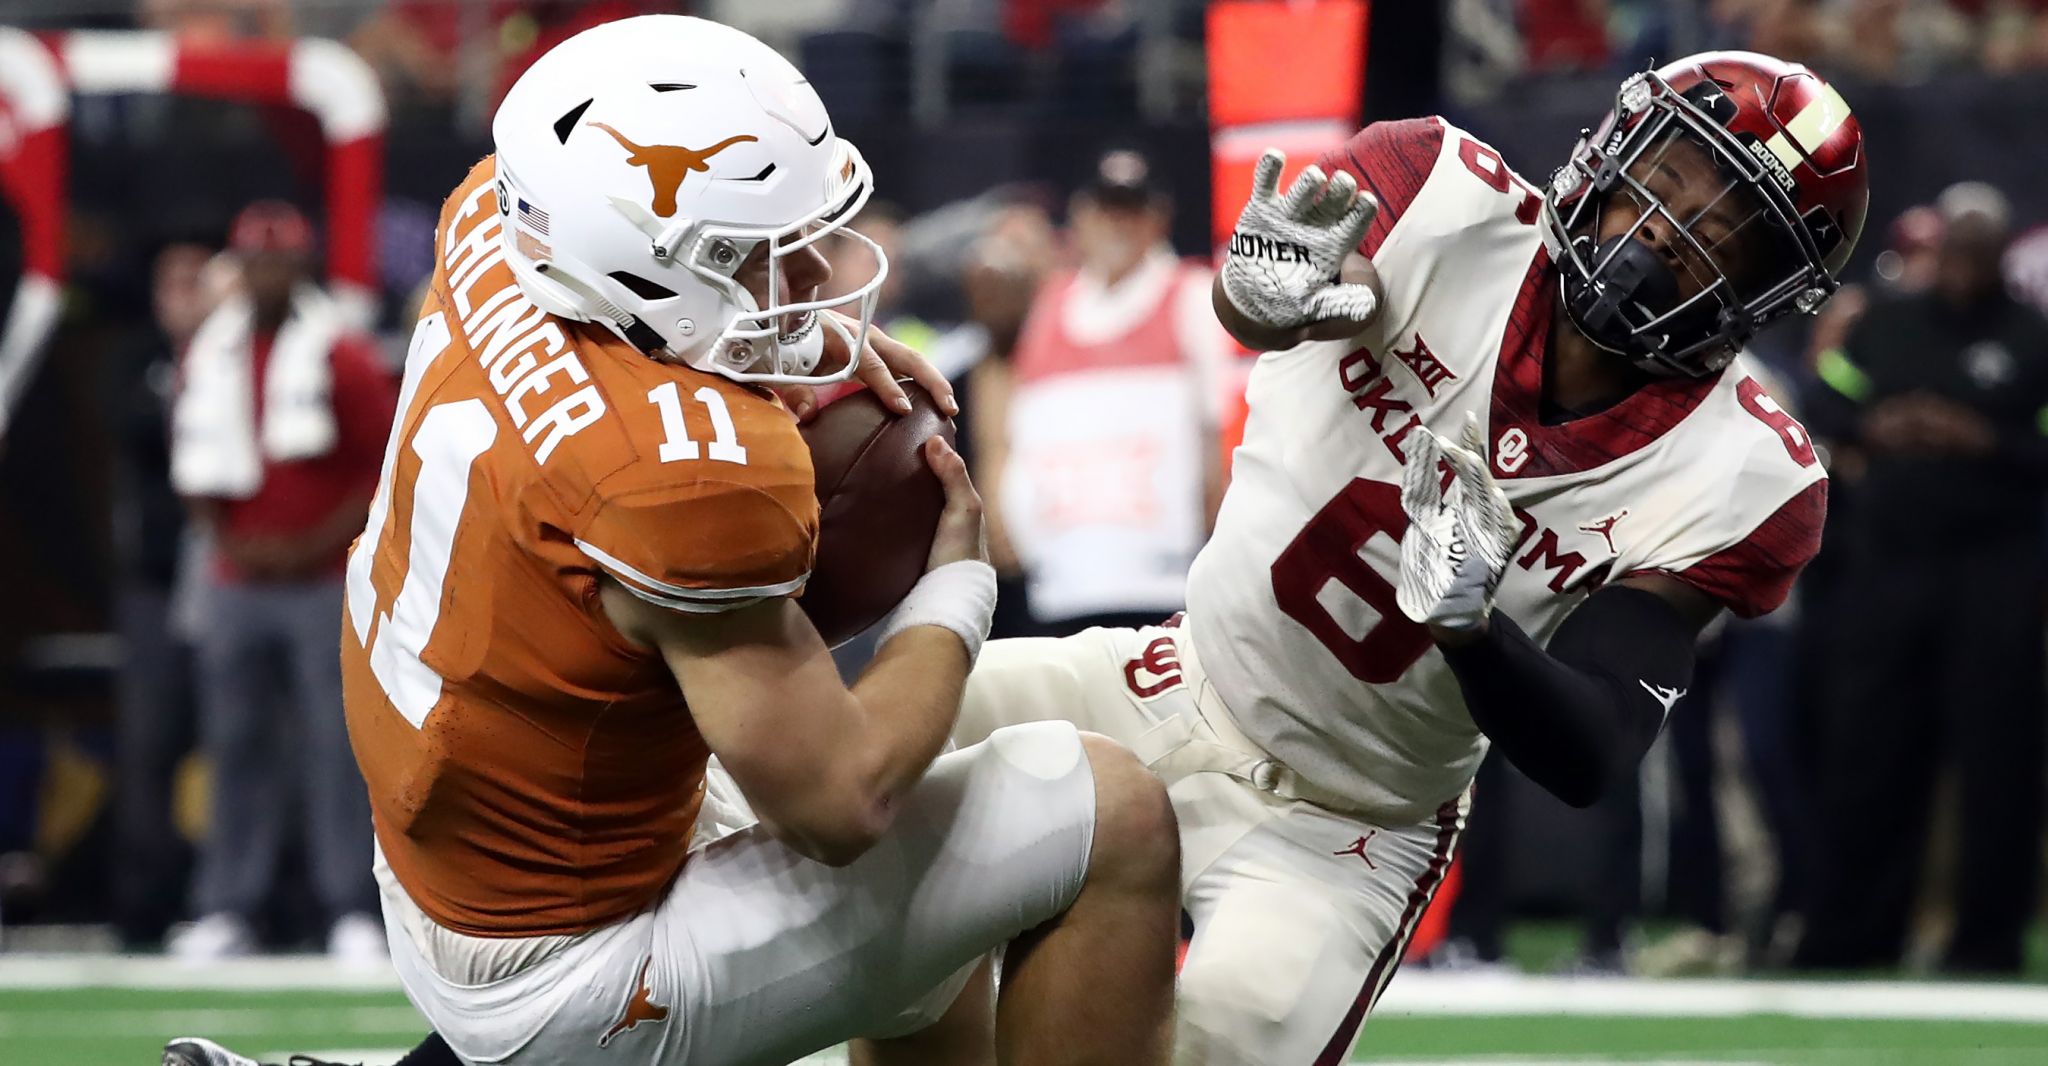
1137 836
1232 1009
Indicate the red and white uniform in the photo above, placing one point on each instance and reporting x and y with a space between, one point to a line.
1116 396
1293 599
1317 748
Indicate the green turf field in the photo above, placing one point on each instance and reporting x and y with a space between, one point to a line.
125 1027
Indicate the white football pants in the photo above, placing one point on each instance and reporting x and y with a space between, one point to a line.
757 956
1301 913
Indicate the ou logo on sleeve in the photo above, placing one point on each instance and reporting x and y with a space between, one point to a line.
1511 450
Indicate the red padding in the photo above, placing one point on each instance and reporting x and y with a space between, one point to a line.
355 188
258 71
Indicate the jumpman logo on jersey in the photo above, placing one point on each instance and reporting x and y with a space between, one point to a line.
1605 527
1665 696
1358 848
668 165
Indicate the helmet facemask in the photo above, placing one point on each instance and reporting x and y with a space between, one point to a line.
778 338
1675 243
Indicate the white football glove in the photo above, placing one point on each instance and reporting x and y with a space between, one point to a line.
1281 267
1459 539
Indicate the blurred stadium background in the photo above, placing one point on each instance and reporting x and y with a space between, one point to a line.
1661 927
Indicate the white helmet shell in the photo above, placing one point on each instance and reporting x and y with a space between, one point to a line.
642 161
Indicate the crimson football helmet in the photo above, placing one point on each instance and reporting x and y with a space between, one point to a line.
1766 233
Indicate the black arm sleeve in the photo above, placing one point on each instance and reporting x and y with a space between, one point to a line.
2024 451
1575 718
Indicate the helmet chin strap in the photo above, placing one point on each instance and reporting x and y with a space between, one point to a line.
803 354
800 354
637 333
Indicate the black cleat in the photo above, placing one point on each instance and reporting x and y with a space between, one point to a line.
199 1051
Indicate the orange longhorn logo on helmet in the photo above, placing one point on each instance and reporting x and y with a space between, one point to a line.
668 165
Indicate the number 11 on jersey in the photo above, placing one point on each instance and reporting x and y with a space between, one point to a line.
724 447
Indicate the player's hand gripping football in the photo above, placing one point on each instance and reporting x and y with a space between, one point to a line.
1459 537
1285 256
960 533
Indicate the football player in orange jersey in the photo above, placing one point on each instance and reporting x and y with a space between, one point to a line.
576 585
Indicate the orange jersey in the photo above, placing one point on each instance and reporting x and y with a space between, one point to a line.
530 771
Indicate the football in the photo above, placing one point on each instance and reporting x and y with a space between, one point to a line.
878 503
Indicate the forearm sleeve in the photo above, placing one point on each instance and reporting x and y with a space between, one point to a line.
2025 451
1578 716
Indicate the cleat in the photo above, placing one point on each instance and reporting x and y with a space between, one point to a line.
199 1051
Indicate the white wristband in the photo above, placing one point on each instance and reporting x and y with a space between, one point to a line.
959 596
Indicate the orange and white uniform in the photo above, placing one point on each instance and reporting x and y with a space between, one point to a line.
530 772
535 778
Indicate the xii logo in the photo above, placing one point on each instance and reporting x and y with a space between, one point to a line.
1423 363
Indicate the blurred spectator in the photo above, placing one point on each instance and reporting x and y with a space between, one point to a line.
1903 40
783 24
1034 23
1790 29
1909 263
422 48
1943 392
217 21
154 723
2026 268
1112 471
277 438
1564 35
2014 33
1004 270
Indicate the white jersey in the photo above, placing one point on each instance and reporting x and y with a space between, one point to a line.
1292 604
1111 418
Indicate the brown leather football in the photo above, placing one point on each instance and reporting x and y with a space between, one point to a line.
878 505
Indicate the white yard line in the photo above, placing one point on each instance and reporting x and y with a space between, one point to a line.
225 1023
1410 995
1524 1060
1431 995
276 973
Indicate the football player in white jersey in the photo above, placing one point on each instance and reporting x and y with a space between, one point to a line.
1502 465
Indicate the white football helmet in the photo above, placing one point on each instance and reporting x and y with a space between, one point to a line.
639 164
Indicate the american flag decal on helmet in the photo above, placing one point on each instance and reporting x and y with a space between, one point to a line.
535 218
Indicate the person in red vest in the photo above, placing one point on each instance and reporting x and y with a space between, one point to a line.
1111 470
277 437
